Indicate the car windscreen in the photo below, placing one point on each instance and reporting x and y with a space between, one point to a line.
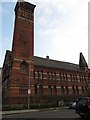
82 101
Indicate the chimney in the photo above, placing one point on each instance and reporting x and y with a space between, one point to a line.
47 57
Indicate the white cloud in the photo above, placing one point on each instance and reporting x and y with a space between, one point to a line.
61 29
68 32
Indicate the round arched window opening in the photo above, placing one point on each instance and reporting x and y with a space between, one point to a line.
24 67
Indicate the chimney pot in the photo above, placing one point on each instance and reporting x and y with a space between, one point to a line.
47 57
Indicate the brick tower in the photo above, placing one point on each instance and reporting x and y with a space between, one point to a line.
21 80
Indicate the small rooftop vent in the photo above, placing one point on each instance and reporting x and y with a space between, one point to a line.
47 57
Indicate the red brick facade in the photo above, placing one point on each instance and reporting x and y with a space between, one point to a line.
45 78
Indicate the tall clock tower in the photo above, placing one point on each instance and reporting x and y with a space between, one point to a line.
21 80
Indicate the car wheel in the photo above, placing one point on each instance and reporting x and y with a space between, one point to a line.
82 116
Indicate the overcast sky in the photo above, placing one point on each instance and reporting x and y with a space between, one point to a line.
61 29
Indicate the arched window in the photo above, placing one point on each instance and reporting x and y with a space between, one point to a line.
40 89
77 90
49 90
35 86
62 90
86 89
67 90
73 90
54 90
82 90
24 67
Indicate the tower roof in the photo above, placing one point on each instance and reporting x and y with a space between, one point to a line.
24 5
82 61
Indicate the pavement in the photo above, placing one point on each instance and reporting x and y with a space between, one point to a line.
17 111
28 110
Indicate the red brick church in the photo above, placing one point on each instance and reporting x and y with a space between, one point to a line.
26 77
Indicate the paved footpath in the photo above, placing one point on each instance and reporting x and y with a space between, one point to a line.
27 110
18 111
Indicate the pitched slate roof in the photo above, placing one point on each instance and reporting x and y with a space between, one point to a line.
45 62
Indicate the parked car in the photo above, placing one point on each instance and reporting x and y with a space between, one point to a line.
83 107
72 104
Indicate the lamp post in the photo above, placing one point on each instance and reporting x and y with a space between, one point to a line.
29 90
28 98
